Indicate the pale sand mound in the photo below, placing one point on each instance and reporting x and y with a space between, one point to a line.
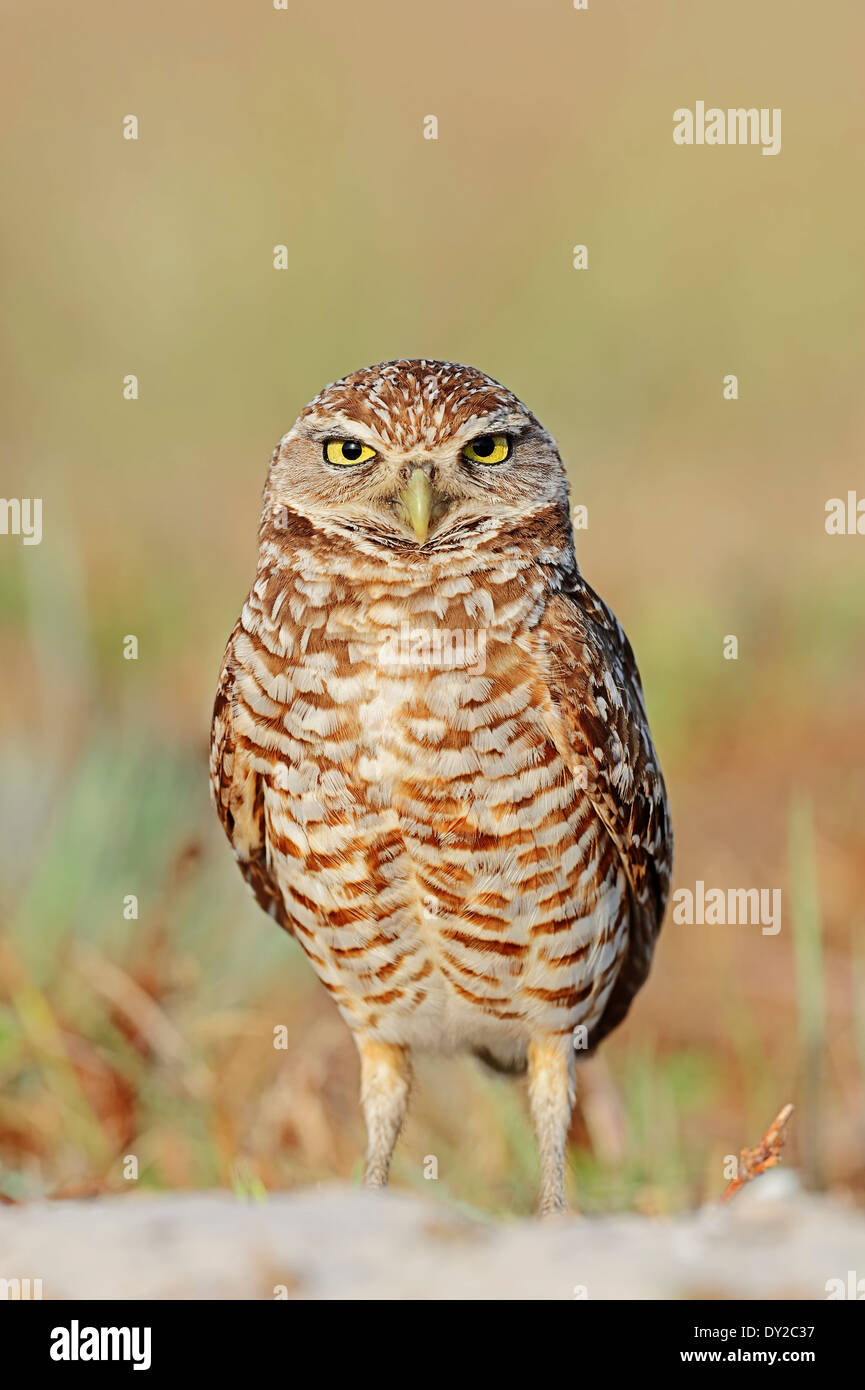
339 1242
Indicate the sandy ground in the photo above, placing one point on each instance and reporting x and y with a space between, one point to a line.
342 1243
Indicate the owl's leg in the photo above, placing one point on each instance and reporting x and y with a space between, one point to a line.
385 1082
552 1091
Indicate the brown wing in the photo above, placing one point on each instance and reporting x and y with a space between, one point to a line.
599 725
238 794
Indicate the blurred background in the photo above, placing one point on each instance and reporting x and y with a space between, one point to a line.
304 127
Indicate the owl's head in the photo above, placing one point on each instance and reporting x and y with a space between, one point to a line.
417 455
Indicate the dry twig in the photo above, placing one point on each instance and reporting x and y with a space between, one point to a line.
767 1154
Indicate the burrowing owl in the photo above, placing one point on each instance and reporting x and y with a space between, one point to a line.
430 750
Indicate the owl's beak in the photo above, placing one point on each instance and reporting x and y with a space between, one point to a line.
418 499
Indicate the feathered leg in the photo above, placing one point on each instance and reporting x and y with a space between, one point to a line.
552 1092
385 1082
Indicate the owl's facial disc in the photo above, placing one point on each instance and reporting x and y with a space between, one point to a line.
415 489
416 455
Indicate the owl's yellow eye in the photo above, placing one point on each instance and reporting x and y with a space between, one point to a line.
347 452
490 448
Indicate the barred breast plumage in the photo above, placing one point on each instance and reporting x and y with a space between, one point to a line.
430 749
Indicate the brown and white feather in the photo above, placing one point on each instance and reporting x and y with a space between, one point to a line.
470 858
